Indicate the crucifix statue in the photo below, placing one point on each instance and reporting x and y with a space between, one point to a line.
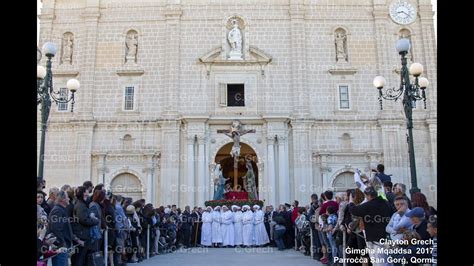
234 133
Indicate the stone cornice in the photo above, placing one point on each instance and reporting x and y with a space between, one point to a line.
65 73
220 120
343 69
276 118
195 118
130 71
123 153
46 16
366 153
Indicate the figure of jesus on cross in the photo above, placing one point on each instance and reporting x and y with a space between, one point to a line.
234 133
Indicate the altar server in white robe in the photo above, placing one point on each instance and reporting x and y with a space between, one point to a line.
206 229
216 226
237 225
227 227
247 226
261 235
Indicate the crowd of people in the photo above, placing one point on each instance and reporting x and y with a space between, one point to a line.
375 214
75 222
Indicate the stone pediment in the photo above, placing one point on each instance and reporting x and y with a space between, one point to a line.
257 56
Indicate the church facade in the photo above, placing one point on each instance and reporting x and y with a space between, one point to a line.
159 79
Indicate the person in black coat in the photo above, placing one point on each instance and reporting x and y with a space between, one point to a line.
312 221
186 227
81 226
289 236
108 214
388 187
197 223
268 221
59 225
375 214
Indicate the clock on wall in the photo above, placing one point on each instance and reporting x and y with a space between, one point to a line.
402 12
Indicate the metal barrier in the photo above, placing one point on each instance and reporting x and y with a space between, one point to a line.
296 238
148 242
106 246
344 243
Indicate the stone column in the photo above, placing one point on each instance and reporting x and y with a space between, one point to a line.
271 177
83 151
432 192
395 150
201 184
325 182
149 171
46 27
283 173
302 160
170 162
85 100
430 54
384 46
298 58
149 184
172 15
102 168
433 129
191 139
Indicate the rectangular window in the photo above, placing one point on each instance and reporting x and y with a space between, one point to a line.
129 98
235 95
344 97
63 96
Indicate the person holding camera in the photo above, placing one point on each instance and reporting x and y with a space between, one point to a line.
381 175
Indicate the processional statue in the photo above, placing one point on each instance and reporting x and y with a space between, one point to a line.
234 133
219 183
249 180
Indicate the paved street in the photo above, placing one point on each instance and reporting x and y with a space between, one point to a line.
231 256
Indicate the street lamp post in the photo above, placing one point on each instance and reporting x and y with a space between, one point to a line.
45 93
412 92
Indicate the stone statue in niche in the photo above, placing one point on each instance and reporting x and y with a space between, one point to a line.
235 40
67 49
341 46
131 47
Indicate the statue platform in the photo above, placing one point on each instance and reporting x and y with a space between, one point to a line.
231 195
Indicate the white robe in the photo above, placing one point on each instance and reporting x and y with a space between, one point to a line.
247 228
227 228
206 230
238 228
216 227
261 235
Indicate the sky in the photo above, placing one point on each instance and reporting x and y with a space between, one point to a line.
433 2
